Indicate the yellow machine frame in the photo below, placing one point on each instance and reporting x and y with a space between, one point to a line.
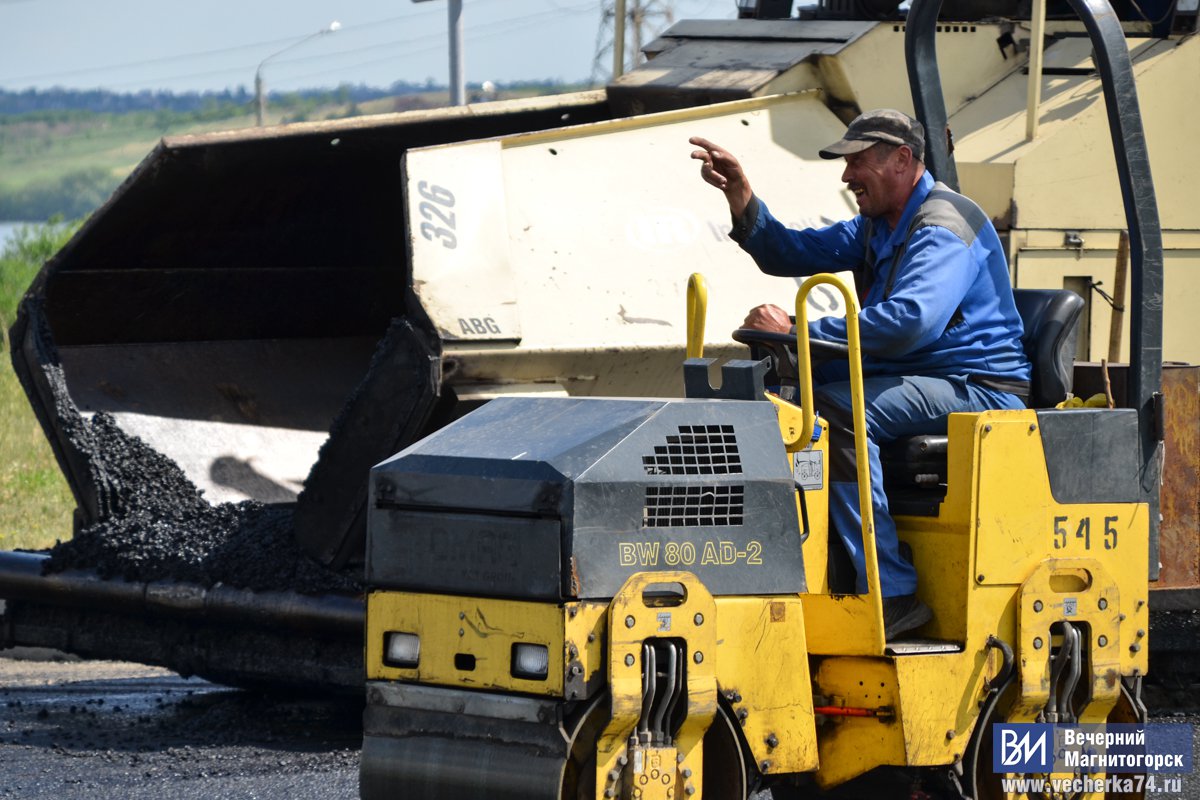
809 677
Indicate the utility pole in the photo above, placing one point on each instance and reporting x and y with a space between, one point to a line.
458 93
632 21
458 87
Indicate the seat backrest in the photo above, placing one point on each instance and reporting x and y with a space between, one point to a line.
1051 318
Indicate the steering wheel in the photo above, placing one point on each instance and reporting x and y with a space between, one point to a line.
820 349
780 348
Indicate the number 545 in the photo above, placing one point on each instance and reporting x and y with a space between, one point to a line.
1083 531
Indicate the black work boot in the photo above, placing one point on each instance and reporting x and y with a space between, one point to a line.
903 614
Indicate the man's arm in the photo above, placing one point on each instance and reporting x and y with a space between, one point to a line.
777 249
933 279
780 250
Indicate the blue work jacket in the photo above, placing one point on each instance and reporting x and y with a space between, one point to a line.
949 310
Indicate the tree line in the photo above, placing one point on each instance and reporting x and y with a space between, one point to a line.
57 101
36 123
102 101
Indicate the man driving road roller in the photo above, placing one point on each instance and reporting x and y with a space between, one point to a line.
939 328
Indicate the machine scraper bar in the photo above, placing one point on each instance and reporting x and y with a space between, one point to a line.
21 578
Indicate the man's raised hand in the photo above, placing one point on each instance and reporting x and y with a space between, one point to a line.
719 168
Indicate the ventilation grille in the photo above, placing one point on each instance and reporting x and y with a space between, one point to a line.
693 506
697 450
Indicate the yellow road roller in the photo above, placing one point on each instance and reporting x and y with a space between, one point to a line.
640 598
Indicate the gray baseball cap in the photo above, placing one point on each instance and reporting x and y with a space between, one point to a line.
881 125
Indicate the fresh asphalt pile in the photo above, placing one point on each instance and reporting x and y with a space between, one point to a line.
156 525
153 524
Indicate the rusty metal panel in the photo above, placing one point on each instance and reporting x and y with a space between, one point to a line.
1179 535
1179 543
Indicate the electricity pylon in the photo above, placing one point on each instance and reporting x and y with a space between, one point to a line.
643 20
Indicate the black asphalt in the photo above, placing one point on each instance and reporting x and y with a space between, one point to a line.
94 729
162 736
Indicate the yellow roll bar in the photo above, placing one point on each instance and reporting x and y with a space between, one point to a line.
857 406
697 310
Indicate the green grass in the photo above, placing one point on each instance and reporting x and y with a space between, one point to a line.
68 161
71 166
39 152
46 163
35 503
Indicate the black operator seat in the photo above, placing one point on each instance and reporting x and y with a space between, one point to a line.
1050 318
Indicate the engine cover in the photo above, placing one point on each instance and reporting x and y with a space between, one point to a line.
565 498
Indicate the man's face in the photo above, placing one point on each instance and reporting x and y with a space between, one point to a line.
873 175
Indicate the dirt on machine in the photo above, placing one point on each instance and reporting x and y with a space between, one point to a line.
256 318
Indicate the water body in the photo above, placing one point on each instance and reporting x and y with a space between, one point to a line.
7 230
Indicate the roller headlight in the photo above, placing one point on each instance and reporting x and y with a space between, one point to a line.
401 649
530 661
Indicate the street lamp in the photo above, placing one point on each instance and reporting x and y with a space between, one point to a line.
260 97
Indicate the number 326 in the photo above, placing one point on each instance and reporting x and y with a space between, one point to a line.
439 219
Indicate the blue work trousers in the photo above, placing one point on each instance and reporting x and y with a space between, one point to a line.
895 407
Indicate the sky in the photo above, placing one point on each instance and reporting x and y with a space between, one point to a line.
131 45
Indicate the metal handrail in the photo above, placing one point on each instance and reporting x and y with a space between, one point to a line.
697 312
858 409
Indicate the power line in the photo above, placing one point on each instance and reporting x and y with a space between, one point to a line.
247 68
149 61
642 18
219 51
472 36
556 7
507 26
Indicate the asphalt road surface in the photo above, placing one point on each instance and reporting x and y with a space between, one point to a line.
104 729
73 729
